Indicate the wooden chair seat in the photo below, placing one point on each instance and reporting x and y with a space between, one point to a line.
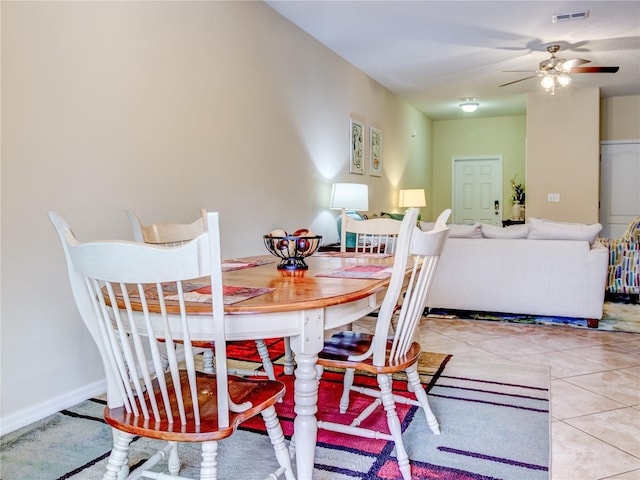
342 345
261 393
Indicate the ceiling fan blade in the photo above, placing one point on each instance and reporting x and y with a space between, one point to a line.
574 62
516 81
594 70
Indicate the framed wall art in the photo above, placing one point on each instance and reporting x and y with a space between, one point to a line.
375 152
356 149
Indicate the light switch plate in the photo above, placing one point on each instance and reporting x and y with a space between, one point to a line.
553 197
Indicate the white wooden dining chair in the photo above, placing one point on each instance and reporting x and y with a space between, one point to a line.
131 297
386 352
376 235
172 234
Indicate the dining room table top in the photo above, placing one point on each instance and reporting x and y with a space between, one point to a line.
287 291
301 289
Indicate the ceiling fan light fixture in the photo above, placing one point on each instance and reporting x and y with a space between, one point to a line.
547 82
469 105
564 80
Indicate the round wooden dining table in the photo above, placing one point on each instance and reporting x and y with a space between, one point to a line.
301 306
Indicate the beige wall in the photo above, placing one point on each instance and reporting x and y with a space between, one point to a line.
570 130
470 137
620 118
164 108
563 151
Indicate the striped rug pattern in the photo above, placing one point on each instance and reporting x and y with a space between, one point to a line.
494 419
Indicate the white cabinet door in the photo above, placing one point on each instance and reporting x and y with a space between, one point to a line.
619 186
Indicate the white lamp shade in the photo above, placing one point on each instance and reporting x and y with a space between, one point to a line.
412 198
350 196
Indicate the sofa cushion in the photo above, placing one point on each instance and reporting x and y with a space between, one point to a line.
512 231
456 230
549 230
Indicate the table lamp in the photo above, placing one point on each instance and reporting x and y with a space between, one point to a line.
412 198
349 197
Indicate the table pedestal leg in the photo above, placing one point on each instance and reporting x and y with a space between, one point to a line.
306 347
306 406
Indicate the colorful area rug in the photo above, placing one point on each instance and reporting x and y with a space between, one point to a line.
617 317
494 419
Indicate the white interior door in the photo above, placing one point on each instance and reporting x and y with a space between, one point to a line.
477 190
619 186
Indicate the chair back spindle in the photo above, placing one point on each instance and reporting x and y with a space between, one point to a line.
391 350
422 250
108 278
134 299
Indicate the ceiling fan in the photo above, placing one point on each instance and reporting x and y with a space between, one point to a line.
554 71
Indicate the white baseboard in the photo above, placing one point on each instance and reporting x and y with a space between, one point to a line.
32 414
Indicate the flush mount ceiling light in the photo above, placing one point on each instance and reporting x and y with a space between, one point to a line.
469 105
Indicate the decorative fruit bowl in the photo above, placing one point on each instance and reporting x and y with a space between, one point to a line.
292 249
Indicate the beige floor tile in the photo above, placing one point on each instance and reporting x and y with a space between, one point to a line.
509 346
611 356
562 364
620 428
631 346
632 371
466 333
633 475
616 385
470 325
465 350
432 338
579 456
595 387
561 338
568 401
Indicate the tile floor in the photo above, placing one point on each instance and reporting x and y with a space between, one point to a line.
595 387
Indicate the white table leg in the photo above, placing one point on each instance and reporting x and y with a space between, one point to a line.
306 347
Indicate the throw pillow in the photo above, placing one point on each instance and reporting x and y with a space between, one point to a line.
395 216
550 230
632 234
512 231
458 230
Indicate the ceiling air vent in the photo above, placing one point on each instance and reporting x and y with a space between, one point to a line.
565 17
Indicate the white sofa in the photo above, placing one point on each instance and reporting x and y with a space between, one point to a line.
523 269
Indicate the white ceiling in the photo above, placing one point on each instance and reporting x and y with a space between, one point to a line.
433 53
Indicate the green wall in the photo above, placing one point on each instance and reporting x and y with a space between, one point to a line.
505 136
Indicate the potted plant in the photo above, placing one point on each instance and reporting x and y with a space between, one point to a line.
517 198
